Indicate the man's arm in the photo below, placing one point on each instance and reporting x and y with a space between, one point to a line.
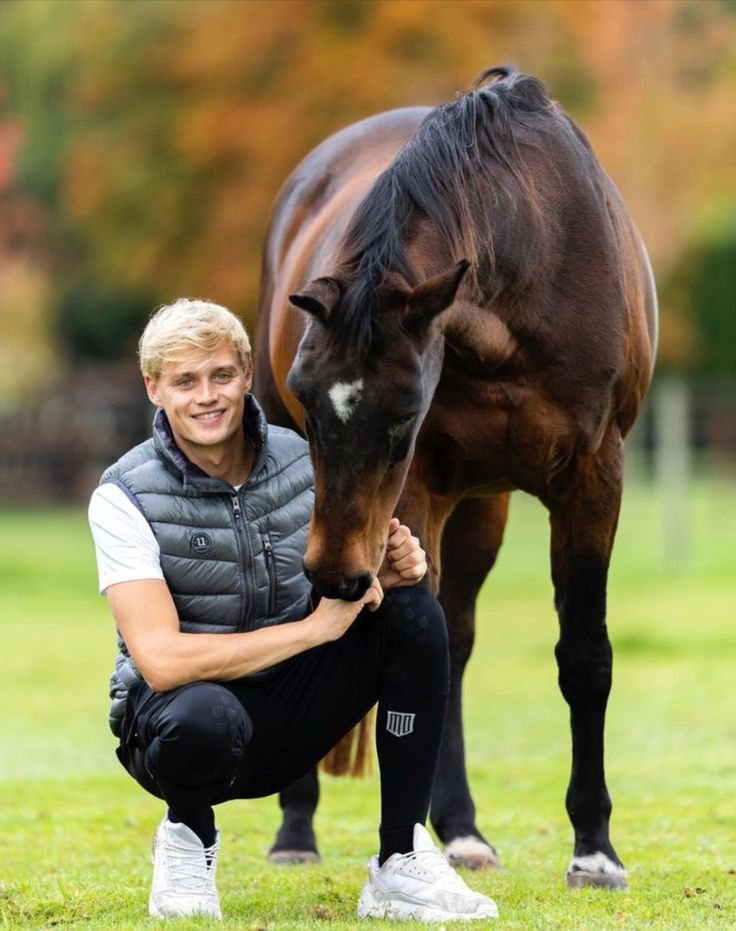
167 658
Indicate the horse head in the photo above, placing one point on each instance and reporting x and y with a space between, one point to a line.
364 401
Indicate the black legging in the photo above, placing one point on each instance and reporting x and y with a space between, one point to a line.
208 742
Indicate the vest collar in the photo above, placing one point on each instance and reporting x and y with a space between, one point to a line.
197 482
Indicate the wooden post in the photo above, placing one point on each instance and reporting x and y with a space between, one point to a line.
672 466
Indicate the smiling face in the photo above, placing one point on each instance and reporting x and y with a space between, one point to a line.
203 398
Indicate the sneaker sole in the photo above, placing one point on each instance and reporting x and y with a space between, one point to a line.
155 911
371 907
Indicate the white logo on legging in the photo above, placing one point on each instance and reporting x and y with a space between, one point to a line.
399 723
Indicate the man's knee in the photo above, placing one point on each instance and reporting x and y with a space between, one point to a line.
200 736
417 631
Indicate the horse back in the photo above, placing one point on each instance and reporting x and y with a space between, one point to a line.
568 325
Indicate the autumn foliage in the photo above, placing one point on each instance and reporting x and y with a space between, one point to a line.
141 145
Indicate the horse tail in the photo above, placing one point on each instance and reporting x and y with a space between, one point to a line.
351 756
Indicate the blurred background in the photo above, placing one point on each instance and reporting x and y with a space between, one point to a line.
142 144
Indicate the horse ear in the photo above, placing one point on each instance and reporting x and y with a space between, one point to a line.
319 298
434 295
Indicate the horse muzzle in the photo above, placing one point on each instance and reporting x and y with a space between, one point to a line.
346 588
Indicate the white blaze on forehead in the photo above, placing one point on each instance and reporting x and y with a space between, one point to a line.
345 398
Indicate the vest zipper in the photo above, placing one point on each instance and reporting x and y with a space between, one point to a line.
247 558
270 565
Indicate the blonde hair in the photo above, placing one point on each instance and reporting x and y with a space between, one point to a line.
189 326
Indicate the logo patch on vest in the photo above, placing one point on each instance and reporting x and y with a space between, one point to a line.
399 723
200 542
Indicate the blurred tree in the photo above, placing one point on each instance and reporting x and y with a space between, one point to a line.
715 292
714 296
95 321
156 135
36 63
29 358
702 292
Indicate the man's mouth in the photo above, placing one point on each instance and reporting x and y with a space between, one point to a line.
209 415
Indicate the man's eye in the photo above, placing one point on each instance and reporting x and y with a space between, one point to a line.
185 383
224 376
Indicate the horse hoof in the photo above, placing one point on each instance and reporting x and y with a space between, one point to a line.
472 853
293 857
596 870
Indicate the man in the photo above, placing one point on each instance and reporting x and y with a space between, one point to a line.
227 684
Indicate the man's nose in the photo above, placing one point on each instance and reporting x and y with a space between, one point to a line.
206 393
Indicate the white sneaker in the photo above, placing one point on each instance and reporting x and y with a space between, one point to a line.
183 874
421 886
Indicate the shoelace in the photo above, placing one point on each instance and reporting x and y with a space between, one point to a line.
187 868
435 864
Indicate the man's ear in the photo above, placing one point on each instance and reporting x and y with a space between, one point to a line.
249 375
152 390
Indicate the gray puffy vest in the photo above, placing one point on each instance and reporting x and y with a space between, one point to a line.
232 560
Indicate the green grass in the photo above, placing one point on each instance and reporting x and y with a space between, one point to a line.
75 830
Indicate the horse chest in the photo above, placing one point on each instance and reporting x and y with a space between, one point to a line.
490 436
464 446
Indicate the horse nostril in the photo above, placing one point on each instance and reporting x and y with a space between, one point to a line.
348 590
355 588
364 583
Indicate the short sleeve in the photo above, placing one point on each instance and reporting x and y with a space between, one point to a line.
125 546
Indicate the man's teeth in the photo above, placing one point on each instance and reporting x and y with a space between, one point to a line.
208 416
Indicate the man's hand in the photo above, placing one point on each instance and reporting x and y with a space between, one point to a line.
406 561
332 617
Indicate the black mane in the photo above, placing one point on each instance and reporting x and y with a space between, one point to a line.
438 175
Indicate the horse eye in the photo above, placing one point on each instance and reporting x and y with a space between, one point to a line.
400 426
399 446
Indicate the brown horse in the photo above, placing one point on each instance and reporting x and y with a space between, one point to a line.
476 314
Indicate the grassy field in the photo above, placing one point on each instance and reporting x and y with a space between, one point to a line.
75 830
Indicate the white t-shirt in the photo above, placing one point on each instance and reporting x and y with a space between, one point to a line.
125 546
126 549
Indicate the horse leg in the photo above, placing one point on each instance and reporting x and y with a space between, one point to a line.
583 516
470 544
295 840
